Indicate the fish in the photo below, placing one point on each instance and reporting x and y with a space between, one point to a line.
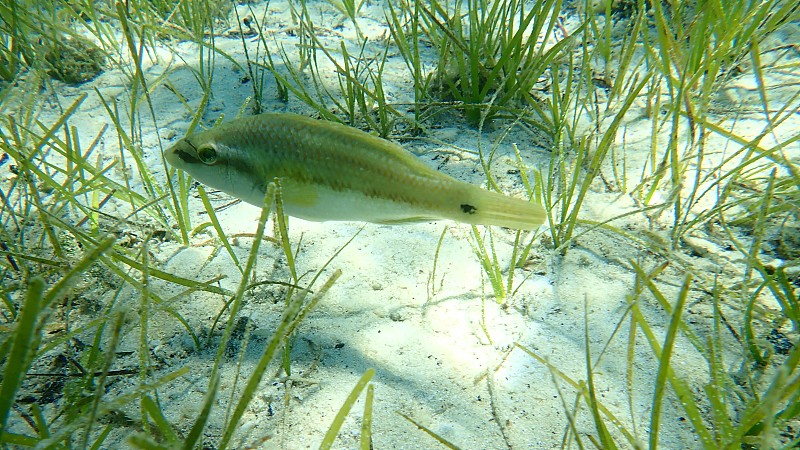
333 172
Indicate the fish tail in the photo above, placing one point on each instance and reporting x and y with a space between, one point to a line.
492 208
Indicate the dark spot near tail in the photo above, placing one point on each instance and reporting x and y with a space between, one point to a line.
469 209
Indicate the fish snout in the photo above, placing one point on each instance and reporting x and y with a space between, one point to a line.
180 155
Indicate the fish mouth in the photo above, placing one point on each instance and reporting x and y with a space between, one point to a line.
176 156
185 156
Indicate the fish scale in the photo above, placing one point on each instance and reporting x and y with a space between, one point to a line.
330 171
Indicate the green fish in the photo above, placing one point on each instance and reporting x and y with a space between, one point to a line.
330 171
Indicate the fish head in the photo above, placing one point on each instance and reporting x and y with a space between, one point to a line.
219 165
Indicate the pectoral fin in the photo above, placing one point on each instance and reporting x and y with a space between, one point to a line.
299 195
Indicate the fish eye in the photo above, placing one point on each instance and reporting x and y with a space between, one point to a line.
207 154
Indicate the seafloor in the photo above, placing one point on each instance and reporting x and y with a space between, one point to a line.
445 353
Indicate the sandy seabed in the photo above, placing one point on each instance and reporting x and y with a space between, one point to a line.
445 352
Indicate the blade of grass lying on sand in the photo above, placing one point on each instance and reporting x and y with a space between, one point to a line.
344 410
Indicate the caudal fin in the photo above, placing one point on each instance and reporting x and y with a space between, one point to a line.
492 208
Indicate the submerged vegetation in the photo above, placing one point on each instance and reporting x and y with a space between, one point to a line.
711 221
